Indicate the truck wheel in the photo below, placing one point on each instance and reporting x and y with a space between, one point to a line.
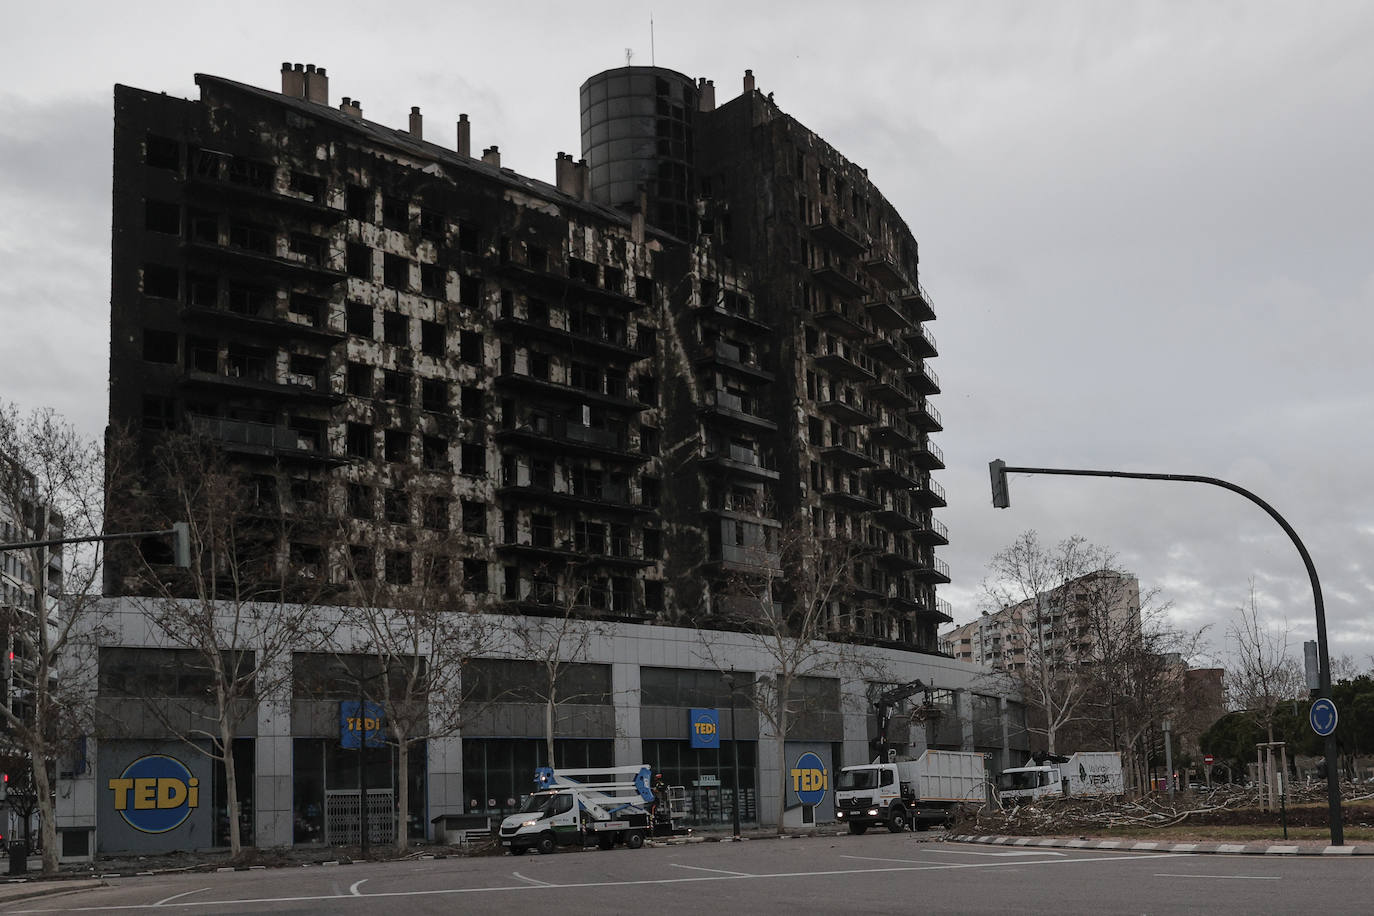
518 850
545 844
896 820
634 840
857 829
605 842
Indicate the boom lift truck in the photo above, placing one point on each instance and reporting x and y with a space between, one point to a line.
565 810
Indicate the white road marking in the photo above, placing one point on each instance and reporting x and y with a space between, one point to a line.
175 896
531 880
648 882
1232 877
719 871
1014 852
353 889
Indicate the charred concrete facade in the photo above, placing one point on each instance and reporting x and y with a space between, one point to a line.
709 324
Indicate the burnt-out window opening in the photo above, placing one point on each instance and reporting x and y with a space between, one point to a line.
474 459
653 543
358 261
360 497
469 239
252 237
158 412
475 576
306 185
358 203
474 517
537 257
432 225
435 511
433 281
162 153
361 563
358 319
159 346
648 390
310 248
162 216
202 290
434 453
359 441
648 440
399 567
470 291
438 570
649 491
470 347
396 445
249 299
395 213
541 530
434 395
251 172
541 473
653 595
396 507
471 403
311 308
202 354
396 329
161 281
396 386
395 271
432 336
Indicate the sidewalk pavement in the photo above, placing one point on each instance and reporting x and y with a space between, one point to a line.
25 888
1235 849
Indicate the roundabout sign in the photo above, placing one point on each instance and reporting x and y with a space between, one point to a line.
1323 717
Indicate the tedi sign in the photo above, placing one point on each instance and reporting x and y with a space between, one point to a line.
155 794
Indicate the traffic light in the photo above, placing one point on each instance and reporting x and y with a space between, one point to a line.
1001 497
181 544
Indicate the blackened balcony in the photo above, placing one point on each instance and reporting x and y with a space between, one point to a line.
244 381
917 304
926 418
929 495
894 515
264 325
846 456
567 289
254 197
846 413
925 380
885 314
573 439
898 557
258 263
728 356
892 354
894 477
927 455
922 342
884 269
605 347
936 572
894 434
845 362
602 500
740 462
850 500
730 558
932 532
734 408
262 439
840 321
839 237
739 318
839 282
891 393
558 391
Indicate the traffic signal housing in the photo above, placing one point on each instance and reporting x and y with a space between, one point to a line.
1001 497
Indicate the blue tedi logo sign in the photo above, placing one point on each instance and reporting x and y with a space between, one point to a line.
155 794
705 728
810 779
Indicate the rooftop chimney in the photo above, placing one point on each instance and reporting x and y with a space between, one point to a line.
492 156
464 136
417 129
293 81
351 107
748 80
585 173
568 176
706 95
316 85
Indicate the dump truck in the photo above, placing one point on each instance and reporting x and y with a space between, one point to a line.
1088 773
916 792
583 808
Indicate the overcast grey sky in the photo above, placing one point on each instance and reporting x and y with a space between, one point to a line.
1146 228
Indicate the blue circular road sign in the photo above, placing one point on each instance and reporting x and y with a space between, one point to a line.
1323 717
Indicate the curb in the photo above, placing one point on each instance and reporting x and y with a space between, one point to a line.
1224 849
27 890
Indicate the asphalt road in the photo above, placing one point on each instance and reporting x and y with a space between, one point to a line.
875 873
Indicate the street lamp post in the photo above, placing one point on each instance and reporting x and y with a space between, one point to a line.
1001 498
1167 726
734 752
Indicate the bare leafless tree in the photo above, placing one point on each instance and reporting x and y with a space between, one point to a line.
248 600
1262 672
51 486
793 595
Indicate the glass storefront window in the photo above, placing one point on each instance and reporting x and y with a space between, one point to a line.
708 777
323 770
499 772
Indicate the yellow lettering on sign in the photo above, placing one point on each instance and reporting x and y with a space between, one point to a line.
171 792
121 788
193 799
145 793
810 780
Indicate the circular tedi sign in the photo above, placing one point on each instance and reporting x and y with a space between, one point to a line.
810 779
155 794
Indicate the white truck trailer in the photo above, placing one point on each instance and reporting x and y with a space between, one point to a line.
898 793
1089 773
565 810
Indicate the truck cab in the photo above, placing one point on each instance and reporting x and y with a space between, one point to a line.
1027 784
868 795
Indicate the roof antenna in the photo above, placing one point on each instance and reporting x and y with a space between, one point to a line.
653 60
629 55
